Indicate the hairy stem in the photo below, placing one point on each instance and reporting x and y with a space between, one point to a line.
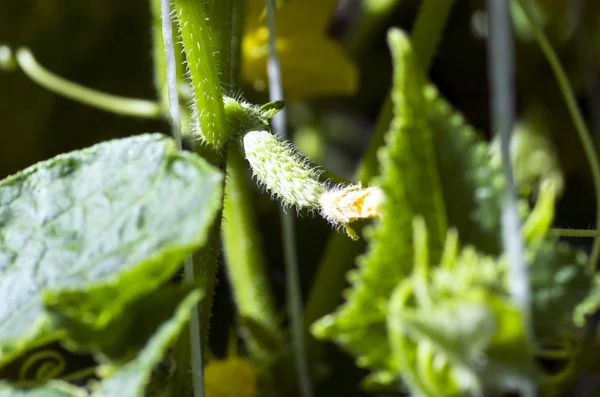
199 31
225 22
246 265
575 232
242 247
228 39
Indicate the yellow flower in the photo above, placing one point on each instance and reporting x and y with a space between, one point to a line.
312 64
230 377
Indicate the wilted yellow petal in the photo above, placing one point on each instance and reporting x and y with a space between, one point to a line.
311 65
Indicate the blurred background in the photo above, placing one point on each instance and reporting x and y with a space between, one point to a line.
107 45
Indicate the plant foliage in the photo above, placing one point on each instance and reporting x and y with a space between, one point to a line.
93 242
87 241
440 316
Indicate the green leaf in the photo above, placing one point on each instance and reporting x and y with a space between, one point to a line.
478 337
539 220
270 109
131 379
89 232
590 304
456 332
472 187
126 334
563 290
411 186
553 17
534 158
200 45
433 165
560 281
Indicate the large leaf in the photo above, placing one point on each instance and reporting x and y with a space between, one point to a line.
466 337
561 284
472 188
90 231
411 186
131 379
433 165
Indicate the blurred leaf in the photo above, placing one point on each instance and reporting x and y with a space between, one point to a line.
411 186
128 332
131 379
472 186
434 166
590 304
89 232
460 335
560 281
556 17
270 109
538 222
533 155
562 291
456 331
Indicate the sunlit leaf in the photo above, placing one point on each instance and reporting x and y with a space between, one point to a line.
471 186
411 186
89 232
433 165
